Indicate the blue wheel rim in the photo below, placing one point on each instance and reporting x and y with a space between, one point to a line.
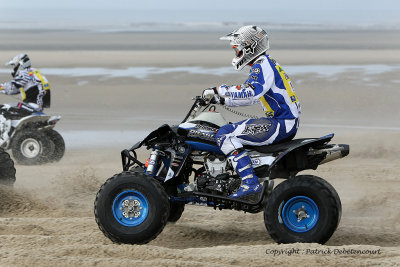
130 208
300 214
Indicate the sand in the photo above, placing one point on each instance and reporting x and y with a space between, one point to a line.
47 219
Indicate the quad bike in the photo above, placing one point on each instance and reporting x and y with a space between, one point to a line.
7 170
31 136
134 206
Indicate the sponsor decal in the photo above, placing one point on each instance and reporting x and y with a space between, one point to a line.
255 161
241 95
207 128
170 174
240 63
202 135
220 140
253 129
254 77
269 114
250 49
256 70
286 76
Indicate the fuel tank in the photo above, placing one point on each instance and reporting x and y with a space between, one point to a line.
200 131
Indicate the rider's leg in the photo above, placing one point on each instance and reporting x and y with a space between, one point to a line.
231 146
241 162
255 132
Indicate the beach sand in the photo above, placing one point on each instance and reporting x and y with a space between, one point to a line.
47 219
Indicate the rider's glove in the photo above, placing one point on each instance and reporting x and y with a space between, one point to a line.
217 100
209 93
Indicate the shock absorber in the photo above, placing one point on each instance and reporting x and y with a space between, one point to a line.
152 161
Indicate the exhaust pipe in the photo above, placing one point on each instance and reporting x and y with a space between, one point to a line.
332 153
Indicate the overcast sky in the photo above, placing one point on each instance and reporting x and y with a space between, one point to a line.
208 4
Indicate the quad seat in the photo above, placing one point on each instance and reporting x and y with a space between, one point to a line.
279 147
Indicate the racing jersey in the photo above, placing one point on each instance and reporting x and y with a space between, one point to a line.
32 85
269 85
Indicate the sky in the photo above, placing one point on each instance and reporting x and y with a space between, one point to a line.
119 13
206 4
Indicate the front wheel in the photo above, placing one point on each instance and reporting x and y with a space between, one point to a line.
7 169
305 209
131 208
30 147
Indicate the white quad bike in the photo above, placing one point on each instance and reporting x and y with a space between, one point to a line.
30 137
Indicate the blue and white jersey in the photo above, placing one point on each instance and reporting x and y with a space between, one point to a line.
269 85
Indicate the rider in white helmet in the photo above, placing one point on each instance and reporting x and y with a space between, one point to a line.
33 87
29 82
268 85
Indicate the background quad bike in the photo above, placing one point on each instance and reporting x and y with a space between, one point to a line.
7 170
32 147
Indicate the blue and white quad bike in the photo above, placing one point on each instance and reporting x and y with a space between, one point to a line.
30 135
186 166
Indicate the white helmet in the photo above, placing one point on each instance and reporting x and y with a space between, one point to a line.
19 62
248 42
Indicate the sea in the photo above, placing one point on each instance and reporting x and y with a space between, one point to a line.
200 19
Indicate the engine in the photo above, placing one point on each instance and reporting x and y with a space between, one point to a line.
216 179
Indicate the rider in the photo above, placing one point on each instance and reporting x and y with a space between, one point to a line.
33 86
34 89
268 85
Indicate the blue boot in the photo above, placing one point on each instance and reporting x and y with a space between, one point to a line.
242 164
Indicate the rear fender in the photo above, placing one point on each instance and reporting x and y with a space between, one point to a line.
294 159
43 120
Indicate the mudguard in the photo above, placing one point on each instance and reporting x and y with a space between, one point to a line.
128 160
160 133
294 158
36 118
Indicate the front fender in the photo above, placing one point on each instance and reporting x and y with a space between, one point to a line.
163 132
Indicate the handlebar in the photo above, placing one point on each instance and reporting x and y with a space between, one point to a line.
198 102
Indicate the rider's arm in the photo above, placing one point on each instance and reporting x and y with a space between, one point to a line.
12 88
259 82
9 88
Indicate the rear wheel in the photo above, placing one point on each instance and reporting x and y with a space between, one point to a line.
176 210
30 147
131 208
57 145
7 169
304 209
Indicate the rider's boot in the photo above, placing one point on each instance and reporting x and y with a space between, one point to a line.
242 163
